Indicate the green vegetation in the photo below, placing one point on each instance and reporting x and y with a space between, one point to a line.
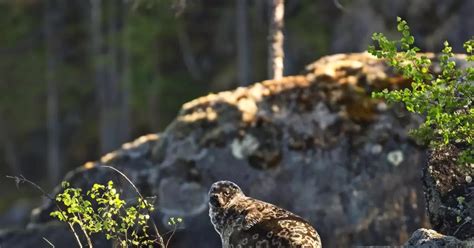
102 210
444 97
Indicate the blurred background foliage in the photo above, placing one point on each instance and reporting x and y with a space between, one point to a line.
145 58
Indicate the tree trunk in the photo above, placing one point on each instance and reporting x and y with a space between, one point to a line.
111 73
153 108
111 133
52 18
11 158
118 72
187 52
276 53
97 60
242 38
125 75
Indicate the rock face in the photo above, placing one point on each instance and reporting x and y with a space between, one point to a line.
315 144
43 235
426 238
449 189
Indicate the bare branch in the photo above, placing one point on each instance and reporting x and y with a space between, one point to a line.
49 242
171 236
21 179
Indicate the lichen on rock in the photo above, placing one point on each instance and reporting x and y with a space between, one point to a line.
426 238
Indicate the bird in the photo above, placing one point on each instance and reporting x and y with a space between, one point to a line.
245 222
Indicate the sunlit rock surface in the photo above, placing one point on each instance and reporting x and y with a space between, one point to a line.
315 144
426 238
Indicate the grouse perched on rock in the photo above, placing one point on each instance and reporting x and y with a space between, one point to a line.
242 221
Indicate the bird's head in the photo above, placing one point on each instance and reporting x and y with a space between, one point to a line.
222 193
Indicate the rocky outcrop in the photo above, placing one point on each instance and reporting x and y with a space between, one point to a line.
316 144
43 236
426 238
449 189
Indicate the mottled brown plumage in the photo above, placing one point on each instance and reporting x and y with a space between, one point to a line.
242 221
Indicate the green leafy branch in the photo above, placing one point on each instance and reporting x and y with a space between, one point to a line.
104 211
101 210
445 98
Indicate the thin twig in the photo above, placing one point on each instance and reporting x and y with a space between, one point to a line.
171 236
460 226
49 242
21 179
75 234
126 178
89 241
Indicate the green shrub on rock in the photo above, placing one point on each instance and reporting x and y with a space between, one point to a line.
444 97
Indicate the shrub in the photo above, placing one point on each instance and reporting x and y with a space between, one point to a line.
444 98
102 210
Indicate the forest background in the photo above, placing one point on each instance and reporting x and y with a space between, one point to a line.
79 78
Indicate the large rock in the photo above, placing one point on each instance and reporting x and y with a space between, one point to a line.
44 235
316 144
449 190
426 238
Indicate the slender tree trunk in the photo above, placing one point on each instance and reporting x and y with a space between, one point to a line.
51 22
11 158
118 72
187 52
98 58
243 50
111 114
111 72
98 63
276 53
125 75
153 108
